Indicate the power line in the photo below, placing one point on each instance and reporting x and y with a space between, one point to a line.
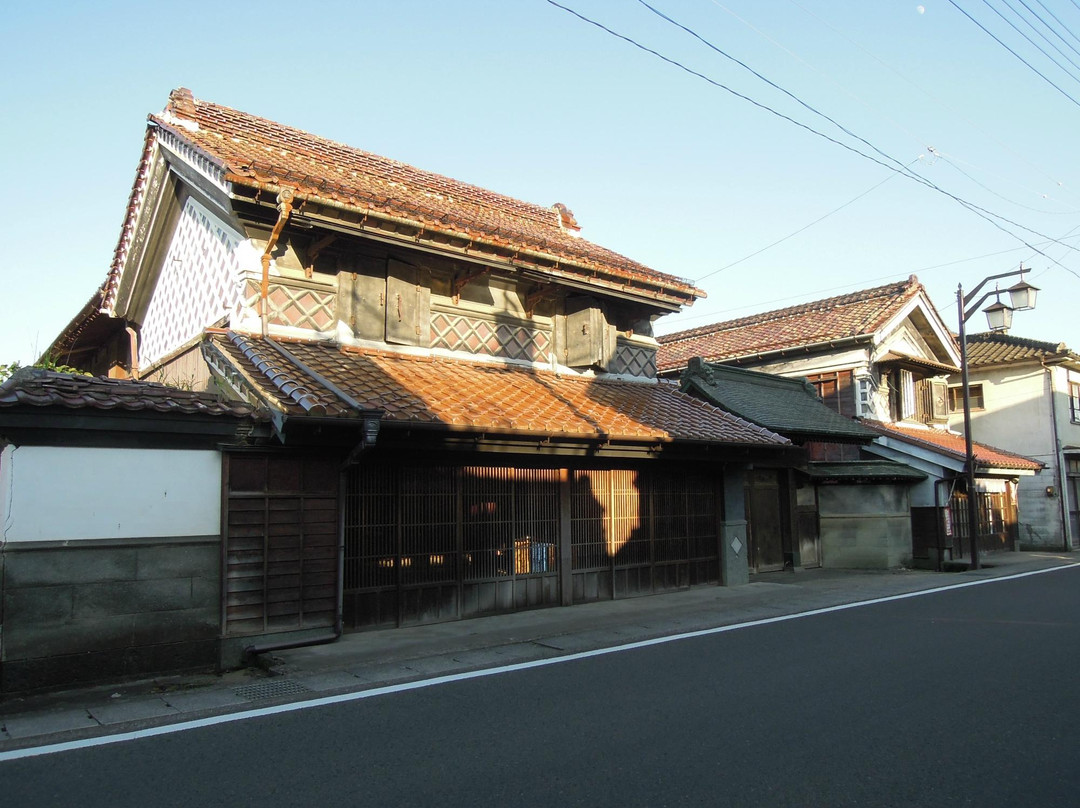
878 111
945 159
1030 41
983 213
803 228
1014 53
1059 22
989 134
1049 27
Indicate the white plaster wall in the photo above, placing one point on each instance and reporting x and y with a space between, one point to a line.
807 366
1016 411
1018 416
72 494
1068 429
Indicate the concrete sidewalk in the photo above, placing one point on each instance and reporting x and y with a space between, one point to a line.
366 660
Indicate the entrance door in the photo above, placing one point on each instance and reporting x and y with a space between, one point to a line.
765 515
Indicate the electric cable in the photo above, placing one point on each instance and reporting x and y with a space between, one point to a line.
982 213
803 228
941 102
1032 42
1014 53
881 113
1048 26
978 210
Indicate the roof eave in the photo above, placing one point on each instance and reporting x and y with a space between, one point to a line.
671 296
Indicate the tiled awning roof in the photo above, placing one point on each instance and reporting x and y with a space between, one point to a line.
320 379
993 348
917 362
790 407
822 321
952 445
860 471
37 387
259 153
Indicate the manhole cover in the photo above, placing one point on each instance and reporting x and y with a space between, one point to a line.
270 690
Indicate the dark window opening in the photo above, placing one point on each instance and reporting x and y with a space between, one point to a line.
956 397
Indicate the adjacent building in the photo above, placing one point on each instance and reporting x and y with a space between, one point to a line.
1025 396
885 356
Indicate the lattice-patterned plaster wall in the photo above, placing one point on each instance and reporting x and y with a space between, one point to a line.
480 336
634 360
200 283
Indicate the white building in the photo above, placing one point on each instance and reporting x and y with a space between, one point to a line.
1025 397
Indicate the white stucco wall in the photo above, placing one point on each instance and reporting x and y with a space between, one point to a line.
1018 416
72 494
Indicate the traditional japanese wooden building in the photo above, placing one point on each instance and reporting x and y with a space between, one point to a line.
462 410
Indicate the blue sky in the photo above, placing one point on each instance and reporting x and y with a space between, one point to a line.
526 99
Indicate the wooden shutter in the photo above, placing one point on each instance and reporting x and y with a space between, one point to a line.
408 305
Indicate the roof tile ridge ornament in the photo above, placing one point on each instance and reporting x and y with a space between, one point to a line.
181 110
697 366
565 217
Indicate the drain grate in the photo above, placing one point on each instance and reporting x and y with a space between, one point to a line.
270 690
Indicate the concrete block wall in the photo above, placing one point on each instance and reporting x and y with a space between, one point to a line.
865 526
1040 524
80 612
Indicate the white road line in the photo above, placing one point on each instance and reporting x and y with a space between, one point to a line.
52 749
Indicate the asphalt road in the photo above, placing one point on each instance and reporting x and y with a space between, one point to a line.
967 697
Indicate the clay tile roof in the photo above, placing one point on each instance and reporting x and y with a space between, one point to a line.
952 444
37 387
257 152
790 407
1001 349
444 393
852 315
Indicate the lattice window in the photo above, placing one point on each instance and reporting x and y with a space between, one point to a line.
200 283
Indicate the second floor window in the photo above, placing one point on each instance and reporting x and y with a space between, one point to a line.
907 390
836 390
1074 400
975 396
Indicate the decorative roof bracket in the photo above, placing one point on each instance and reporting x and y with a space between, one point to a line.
463 279
314 250
538 294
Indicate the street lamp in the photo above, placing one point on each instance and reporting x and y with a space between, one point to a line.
999 317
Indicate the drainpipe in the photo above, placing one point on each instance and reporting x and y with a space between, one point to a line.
285 200
1059 457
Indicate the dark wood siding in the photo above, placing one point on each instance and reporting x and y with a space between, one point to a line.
281 539
434 543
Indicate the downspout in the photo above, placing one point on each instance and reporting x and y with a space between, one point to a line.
285 200
1059 457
